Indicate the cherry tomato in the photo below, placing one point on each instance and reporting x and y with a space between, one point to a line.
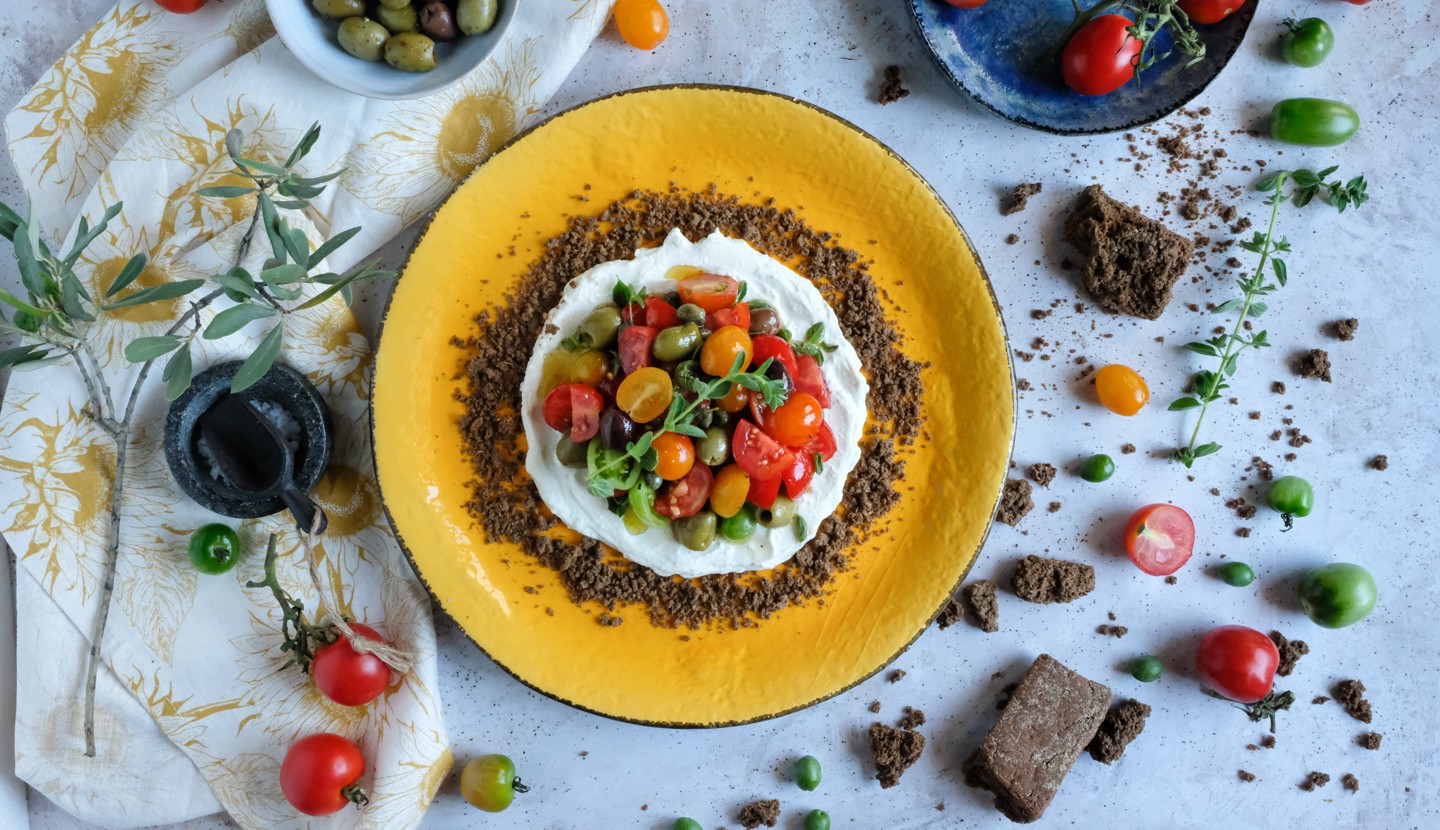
644 394
590 367
634 347
737 316
1238 662
180 6
711 292
735 399
768 347
811 380
575 408
763 493
758 454
797 476
1121 389
1159 539
1292 496
642 23
345 675
1101 57
1357 2
1313 122
677 455
660 314
687 496
633 314
797 421
490 783
732 486
1338 594
1209 11
721 349
823 443
966 4
321 774
214 549
1306 42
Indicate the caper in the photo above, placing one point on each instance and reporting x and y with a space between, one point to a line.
741 526
652 479
779 514
363 38
398 21
721 418
600 328
410 52
340 9
617 430
690 313
696 532
676 342
437 21
764 321
570 453
704 416
475 16
714 448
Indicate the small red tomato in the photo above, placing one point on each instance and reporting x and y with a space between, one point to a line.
768 346
823 443
966 4
633 314
796 422
763 493
345 675
1238 662
660 314
321 774
1101 57
634 347
180 6
759 455
685 497
711 292
1160 538
1209 11
797 476
739 316
574 408
810 380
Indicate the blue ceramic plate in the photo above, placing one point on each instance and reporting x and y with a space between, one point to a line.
1001 55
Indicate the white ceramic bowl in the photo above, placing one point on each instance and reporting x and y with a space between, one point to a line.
312 40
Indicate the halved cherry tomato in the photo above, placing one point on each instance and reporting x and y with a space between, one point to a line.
1209 11
721 349
1238 662
768 346
711 292
797 420
660 314
763 493
1160 538
823 443
1101 57
810 380
731 488
574 408
685 497
644 394
758 454
735 399
633 314
634 347
677 455
797 476
737 316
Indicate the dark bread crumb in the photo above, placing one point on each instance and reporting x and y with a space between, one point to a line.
1319 699
875 707
1012 239
913 719
756 813
1314 781
979 597
1345 329
891 89
1290 652
1128 449
1043 580
1380 462
1313 364
1015 502
1247 776
1371 740
606 619
1350 694
1122 724
1350 782
1116 631
896 676
1042 473
1278 387
1172 580
1268 741
1242 532
894 750
1054 507
1132 261
1016 200
953 612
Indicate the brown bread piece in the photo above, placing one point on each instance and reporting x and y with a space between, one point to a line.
1123 725
1132 261
980 598
1044 580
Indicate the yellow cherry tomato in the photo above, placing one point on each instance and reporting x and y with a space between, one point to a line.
721 348
735 399
677 455
645 394
642 23
1121 389
727 494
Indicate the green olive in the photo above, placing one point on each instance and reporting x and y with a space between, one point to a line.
363 38
677 342
476 16
600 328
340 9
741 526
714 447
696 532
780 514
570 453
690 313
410 52
394 4
399 21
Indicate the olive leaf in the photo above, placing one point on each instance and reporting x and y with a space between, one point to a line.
258 363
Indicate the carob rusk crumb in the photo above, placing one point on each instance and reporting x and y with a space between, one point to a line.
1268 741
979 597
1044 580
1313 364
1132 261
1345 329
875 707
1042 473
1314 781
953 612
891 89
504 499
894 750
1116 631
1247 776
1290 652
1380 462
1128 449
1050 719
1172 579
896 676
1122 725
1012 239
1370 740
1015 501
1016 200
913 719
756 813
1350 694
1319 699
1278 387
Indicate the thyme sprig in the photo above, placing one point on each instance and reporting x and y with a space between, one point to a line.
1227 348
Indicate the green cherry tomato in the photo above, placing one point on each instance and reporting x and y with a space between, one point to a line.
1147 669
1313 122
1097 468
807 773
1237 574
741 526
1338 595
686 824
490 783
214 549
817 820
1292 496
1307 42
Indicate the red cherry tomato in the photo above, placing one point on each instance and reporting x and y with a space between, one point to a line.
759 455
823 443
660 314
768 346
685 497
574 408
1357 2
810 380
797 420
763 493
711 292
633 314
737 316
634 347
966 4
1238 662
1101 57
321 774
345 675
798 474
180 6
1210 11
1160 538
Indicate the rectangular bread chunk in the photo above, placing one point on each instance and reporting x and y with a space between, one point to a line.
1132 261
1052 715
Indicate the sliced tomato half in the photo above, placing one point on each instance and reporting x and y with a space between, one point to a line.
759 455
574 408
739 315
711 292
763 493
810 380
660 314
634 347
823 443
685 497
798 474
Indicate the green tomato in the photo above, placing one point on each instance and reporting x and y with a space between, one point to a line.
686 824
817 820
1097 468
490 783
741 526
1338 595
1292 496
1307 42
1237 574
1147 669
214 549
807 773
1313 122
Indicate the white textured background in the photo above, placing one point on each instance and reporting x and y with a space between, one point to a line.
1378 264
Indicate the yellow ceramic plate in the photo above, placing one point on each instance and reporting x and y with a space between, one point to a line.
840 180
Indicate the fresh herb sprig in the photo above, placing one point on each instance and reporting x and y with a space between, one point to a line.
625 294
813 343
1226 348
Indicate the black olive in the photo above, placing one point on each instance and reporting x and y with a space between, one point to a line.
616 429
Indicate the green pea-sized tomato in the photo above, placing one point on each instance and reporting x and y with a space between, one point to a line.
741 526
1306 42
1338 595
1292 496
807 773
1097 468
817 820
686 824
1147 669
490 783
1237 574
214 549
1313 122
